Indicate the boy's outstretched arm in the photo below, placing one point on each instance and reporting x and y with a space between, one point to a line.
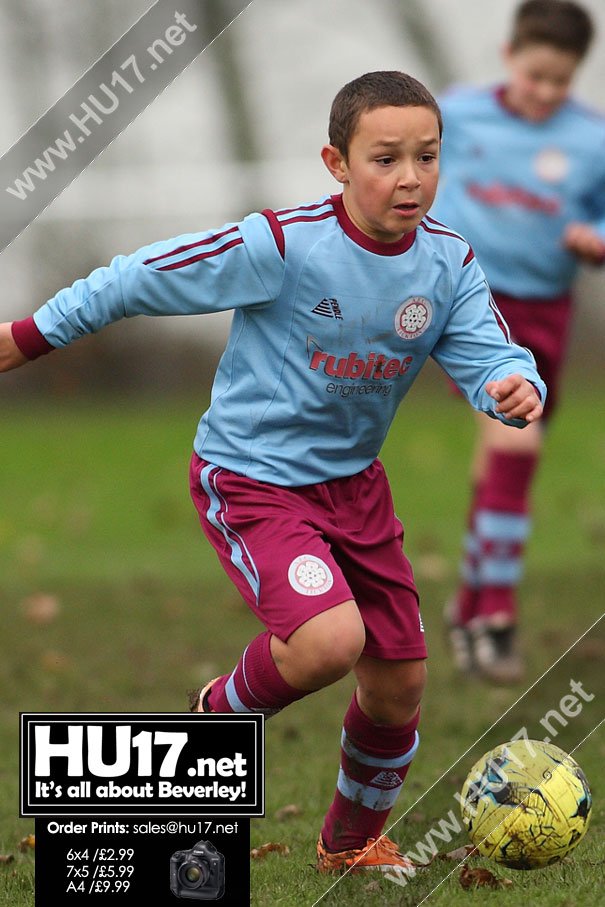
517 398
10 354
237 267
497 376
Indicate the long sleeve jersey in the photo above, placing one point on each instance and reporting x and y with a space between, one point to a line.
330 329
511 186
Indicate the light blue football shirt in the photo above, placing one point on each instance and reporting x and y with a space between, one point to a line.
511 186
330 329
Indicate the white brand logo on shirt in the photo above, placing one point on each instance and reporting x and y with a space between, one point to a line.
309 575
413 317
329 308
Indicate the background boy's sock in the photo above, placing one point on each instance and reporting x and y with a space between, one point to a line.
502 525
255 684
464 604
375 759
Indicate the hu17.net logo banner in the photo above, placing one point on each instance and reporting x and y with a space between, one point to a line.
88 764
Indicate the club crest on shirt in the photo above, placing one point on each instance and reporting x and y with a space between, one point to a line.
309 575
551 165
413 317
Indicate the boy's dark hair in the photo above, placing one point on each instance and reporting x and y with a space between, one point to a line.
560 23
372 90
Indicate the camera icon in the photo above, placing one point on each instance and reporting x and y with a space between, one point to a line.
199 873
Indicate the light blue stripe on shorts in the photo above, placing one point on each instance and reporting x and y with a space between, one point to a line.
233 539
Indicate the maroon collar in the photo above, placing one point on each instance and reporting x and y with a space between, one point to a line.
500 96
366 242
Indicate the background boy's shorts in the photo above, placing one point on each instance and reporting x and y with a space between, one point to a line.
295 552
543 327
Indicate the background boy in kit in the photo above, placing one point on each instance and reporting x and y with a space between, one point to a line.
523 169
337 305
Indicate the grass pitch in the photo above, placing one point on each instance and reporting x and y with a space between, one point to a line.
112 600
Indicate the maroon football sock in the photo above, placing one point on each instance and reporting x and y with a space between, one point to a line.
502 526
255 684
375 759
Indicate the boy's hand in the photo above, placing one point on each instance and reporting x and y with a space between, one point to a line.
517 398
10 354
585 242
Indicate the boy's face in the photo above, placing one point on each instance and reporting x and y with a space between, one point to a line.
540 78
391 170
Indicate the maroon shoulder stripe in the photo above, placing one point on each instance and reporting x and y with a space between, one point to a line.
313 207
437 222
193 245
469 257
444 232
276 230
210 254
306 219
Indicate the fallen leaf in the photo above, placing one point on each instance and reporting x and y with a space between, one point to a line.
460 853
481 878
6 858
592 649
40 608
432 567
372 886
31 551
54 661
27 843
259 853
417 816
288 812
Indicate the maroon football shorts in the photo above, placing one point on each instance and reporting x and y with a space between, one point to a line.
296 552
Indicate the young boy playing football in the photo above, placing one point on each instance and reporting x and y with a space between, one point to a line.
524 182
337 306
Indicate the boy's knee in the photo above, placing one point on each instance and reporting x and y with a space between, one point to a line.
328 646
413 682
336 652
391 693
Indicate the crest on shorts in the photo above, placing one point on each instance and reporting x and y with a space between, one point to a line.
309 575
413 317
